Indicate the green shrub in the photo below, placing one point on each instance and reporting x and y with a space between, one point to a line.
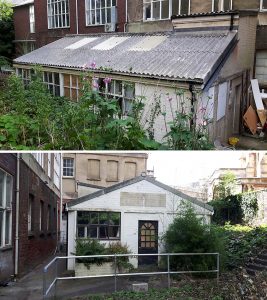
189 234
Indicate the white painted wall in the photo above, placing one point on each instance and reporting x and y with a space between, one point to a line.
130 215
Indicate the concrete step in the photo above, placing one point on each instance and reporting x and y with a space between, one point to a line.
256 267
260 261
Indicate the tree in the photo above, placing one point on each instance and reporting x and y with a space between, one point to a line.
226 186
6 32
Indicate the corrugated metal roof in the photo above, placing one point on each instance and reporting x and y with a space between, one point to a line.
20 2
181 56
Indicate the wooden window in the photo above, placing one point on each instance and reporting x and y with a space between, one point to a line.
112 170
93 169
72 87
52 82
98 225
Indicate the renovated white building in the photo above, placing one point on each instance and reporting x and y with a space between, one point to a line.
135 212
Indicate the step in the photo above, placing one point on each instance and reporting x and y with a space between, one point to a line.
256 267
260 261
251 272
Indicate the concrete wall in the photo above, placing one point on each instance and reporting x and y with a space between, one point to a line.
164 208
8 164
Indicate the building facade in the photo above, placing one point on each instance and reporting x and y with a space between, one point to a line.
29 210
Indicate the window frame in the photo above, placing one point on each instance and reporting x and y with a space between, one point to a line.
32 19
72 87
89 9
98 225
171 12
261 6
221 4
52 17
52 86
67 168
6 211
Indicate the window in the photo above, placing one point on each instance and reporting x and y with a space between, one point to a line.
100 12
112 170
25 75
98 225
72 87
222 5
41 219
164 9
30 213
58 13
124 92
6 191
49 218
49 173
52 82
57 167
32 19
263 4
129 170
39 158
68 167
93 169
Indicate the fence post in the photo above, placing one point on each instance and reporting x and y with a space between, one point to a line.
115 272
218 267
169 277
44 283
56 272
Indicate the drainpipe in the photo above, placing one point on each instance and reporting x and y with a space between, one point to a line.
17 218
77 18
61 200
126 15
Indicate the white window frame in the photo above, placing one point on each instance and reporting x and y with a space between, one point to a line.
51 84
25 75
171 12
57 166
49 173
261 6
221 4
6 211
68 167
110 90
32 19
39 157
63 17
89 10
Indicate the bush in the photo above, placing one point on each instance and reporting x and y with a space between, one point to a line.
189 234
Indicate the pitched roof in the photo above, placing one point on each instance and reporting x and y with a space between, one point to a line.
183 56
20 2
135 180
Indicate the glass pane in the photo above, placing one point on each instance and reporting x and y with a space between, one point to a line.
8 219
83 217
148 238
143 245
147 10
92 233
8 191
103 232
80 232
184 7
1 224
165 9
2 178
118 88
56 75
227 5
113 232
216 5
156 10
94 218
103 218
264 4
152 245
114 218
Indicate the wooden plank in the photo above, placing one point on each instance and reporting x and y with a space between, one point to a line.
257 94
251 119
262 116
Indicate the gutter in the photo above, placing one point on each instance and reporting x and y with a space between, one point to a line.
17 217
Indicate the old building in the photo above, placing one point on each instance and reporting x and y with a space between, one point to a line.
39 22
135 212
29 210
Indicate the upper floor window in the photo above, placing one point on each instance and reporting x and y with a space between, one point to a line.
263 4
164 9
32 19
57 172
58 13
68 167
100 12
39 158
6 191
222 5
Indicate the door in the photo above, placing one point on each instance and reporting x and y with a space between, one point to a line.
147 242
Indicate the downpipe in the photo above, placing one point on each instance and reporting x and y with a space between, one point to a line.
17 217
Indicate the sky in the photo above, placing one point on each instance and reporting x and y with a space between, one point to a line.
179 168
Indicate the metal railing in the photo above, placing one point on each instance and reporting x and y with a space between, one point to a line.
55 278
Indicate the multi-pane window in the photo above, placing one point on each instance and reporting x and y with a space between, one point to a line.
52 82
68 167
41 216
58 13
72 87
98 225
49 173
100 12
164 9
57 167
222 5
39 157
25 75
30 213
32 19
124 92
6 188
263 4
49 219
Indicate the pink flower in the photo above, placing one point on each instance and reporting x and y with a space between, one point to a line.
93 65
84 66
107 80
202 109
95 84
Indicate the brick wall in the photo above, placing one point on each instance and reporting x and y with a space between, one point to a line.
35 247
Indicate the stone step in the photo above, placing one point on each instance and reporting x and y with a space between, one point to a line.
260 261
256 267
